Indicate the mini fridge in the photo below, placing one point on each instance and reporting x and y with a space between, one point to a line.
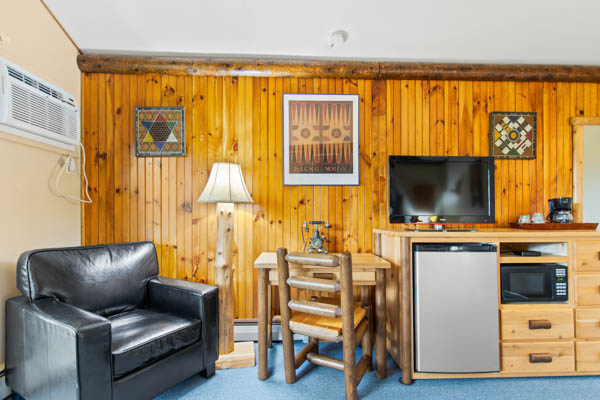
456 307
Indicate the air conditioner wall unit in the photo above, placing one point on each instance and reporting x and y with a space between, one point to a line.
33 108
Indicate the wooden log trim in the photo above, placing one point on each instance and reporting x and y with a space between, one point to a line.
213 66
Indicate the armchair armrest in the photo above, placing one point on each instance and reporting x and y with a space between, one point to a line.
194 300
69 348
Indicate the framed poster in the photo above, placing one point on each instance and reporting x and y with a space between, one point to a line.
320 139
159 131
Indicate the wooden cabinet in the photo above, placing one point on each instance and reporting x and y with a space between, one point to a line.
588 290
536 324
536 339
587 255
534 358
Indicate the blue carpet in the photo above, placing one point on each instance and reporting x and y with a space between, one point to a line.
325 383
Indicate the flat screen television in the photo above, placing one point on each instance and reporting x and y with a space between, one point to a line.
441 190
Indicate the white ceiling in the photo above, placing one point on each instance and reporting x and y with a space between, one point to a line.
499 31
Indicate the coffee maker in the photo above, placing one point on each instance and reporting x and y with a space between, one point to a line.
560 210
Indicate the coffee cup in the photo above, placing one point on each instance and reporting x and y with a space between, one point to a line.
524 219
538 218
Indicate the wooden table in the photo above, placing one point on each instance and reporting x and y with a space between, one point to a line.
367 270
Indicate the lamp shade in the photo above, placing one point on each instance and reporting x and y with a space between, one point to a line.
225 185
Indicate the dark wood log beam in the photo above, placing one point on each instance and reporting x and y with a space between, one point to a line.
334 69
227 67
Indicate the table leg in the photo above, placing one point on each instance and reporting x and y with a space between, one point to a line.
270 318
263 289
367 341
380 339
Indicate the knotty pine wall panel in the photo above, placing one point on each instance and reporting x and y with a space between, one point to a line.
239 119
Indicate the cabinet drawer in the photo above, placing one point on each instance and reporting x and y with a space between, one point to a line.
588 356
587 253
538 357
588 323
588 290
536 324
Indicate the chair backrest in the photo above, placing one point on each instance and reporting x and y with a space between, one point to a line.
104 279
344 285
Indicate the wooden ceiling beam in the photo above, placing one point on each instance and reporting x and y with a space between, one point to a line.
334 69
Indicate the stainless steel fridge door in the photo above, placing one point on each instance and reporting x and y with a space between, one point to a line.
456 312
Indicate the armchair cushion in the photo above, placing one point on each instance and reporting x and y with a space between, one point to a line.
143 336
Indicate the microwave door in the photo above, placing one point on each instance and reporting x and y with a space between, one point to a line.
526 284
514 296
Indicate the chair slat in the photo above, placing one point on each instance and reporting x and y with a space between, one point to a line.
323 260
326 335
316 308
317 284
325 361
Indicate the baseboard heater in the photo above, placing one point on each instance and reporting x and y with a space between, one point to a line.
246 330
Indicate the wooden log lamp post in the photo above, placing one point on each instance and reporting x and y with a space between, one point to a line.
226 186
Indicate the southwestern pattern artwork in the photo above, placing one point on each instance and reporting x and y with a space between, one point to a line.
321 137
159 131
512 134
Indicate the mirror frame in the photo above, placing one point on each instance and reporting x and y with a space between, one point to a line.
578 124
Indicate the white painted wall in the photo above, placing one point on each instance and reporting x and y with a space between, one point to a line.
31 215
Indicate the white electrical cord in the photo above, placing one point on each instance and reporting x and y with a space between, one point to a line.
62 170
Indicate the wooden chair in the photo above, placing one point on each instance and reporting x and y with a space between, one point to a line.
323 318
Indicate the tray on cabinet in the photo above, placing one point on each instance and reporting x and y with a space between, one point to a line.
585 226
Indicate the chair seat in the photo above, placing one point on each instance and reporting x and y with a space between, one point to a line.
305 323
142 336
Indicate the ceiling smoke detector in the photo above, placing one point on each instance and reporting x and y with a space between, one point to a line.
337 39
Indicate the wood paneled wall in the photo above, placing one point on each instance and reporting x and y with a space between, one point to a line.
239 119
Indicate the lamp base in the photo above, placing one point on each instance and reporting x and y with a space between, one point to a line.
242 356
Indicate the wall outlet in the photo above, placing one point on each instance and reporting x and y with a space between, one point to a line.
4 40
71 167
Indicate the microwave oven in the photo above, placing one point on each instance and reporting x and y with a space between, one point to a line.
534 283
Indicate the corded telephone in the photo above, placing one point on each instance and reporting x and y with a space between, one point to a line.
316 242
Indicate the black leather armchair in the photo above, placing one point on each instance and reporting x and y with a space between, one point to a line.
97 322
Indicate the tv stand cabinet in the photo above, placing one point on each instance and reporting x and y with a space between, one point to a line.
569 344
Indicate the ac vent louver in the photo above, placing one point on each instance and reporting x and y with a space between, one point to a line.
36 109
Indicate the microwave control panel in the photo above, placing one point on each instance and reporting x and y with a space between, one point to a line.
560 284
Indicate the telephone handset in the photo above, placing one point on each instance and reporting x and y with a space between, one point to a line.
316 242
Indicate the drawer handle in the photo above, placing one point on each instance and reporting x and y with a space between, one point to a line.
540 358
540 324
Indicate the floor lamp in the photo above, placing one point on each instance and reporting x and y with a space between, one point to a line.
226 186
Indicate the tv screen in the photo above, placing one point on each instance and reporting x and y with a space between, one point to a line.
441 190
